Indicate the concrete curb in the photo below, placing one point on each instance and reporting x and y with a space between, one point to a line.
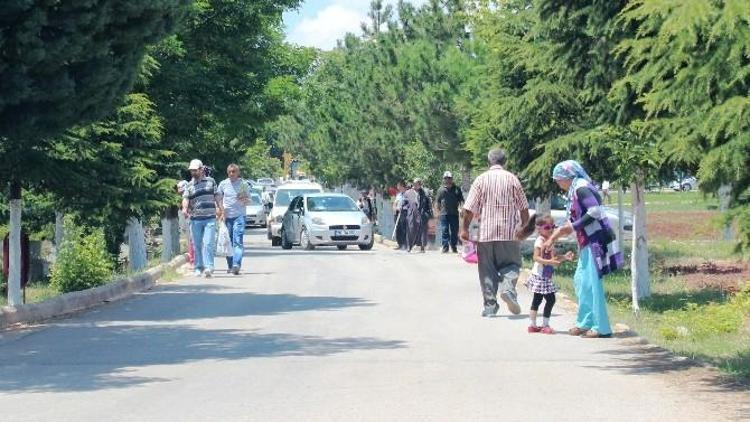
382 240
76 301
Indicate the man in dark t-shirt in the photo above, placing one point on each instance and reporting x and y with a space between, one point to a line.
449 198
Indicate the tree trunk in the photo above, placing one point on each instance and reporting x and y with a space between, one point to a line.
725 200
544 205
170 234
137 259
620 217
59 231
14 256
640 277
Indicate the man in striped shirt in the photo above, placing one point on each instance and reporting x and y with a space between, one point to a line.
497 199
202 202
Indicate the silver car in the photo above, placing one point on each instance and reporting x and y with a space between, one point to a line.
317 219
255 213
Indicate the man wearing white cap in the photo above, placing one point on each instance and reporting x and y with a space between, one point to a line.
202 203
449 198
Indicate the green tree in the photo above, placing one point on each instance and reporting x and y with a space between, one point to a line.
64 64
688 66
217 84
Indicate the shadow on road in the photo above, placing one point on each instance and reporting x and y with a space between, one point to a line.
649 359
201 301
87 357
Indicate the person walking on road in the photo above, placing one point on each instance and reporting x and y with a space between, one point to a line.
201 202
235 195
400 209
598 252
420 213
448 199
498 200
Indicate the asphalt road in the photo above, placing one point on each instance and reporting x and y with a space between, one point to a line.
330 335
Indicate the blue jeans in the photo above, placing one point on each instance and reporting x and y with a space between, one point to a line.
236 227
204 242
450 230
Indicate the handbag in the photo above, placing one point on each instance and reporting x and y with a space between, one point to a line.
223 243
469 253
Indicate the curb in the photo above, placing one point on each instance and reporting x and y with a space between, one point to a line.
382 240
68 303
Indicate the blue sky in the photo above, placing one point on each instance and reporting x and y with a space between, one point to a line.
319 23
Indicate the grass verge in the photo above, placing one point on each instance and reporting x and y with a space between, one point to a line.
35 292
709 324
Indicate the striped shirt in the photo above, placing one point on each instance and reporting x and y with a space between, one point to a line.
202 196
496 198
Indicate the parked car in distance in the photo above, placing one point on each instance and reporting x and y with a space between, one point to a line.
281 199
686 184
561 216
325 219
265 181
255 213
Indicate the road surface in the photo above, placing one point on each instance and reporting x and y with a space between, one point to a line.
330 335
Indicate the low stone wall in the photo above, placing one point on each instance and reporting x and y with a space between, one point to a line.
76 301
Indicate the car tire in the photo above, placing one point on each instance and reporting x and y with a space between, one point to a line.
368 246
304 240
341 247
276 241
285 243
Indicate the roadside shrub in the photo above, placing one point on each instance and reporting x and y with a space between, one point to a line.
697 322
82 261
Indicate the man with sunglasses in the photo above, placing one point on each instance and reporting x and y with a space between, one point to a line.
235 196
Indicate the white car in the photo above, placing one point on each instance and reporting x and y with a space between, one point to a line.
281 200
686 184
325 219
255 213
561 216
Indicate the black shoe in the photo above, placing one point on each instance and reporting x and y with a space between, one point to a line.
445 249
453 248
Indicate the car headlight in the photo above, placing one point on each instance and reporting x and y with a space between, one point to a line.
365 220
319 221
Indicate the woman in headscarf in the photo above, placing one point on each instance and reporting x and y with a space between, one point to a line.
598 252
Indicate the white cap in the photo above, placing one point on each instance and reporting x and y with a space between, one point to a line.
195 165
447 174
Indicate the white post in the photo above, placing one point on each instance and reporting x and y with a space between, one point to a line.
640 277
544 205
14 259
59 231
465 178
725 199
167 248
137 258
620 217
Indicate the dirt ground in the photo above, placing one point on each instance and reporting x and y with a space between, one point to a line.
683 225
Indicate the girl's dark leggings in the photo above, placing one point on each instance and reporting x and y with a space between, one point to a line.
549 302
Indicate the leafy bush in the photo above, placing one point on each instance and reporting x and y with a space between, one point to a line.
700 321
82 261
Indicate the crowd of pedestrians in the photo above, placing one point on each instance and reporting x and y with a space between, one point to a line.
496 201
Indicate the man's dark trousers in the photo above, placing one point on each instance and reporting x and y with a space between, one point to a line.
450 230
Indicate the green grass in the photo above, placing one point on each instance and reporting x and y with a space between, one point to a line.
710 325
668 201
35 292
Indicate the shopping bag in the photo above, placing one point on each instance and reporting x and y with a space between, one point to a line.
223 243
469 253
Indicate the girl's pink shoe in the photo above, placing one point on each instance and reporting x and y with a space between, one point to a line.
547 330
534 329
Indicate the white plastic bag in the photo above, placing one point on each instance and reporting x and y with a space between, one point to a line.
223 243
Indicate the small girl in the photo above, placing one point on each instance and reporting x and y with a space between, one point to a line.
540 280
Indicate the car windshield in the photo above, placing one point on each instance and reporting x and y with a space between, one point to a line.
331 203
285 196
255 199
